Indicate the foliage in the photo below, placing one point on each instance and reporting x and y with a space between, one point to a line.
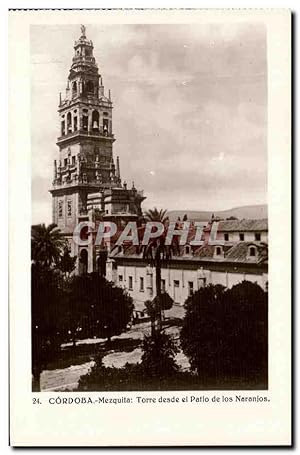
156 215
165 302
225 332
66 263
156 370
77 307
158 357
47 244
94 307
158 255
46 305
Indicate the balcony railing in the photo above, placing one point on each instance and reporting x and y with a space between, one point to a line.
85 132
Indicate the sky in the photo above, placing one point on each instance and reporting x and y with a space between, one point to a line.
189 117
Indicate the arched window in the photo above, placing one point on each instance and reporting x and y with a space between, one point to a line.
85 119
69 122
75 123
63 128
252 251
101 263
83 262
105 126
218 251
95 120
74 89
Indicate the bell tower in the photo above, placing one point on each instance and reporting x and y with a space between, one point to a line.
86 180
85 163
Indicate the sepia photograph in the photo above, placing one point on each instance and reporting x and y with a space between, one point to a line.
150 227
149 234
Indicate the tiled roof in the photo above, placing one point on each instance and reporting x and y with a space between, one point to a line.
243 225
237 253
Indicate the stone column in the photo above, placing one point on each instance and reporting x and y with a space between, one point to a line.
72 121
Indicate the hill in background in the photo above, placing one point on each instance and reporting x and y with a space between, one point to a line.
250 212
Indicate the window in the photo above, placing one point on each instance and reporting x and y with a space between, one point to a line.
95 120
187 249
75 123
85 121
218 251
69 208
130 284
120 278
191 287
73 159
69 122
60 209
226 237
105 125
141 284
63 128
252 251
242 237
176 283
257 237
163 285
90 86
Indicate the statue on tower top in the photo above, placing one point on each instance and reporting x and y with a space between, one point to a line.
82 27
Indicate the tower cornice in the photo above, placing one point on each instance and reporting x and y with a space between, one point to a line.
82 135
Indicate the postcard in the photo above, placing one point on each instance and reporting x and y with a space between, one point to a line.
150 227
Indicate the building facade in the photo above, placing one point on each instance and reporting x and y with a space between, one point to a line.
227 262
86 178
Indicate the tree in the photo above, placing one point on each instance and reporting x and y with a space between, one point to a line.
158 254
95 307
66 263
47 244
46 304
153 307
156 215
225 333
158 357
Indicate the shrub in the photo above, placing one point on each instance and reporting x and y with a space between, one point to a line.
225 333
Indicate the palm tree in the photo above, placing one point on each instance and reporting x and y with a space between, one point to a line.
158 254
156 215
47 244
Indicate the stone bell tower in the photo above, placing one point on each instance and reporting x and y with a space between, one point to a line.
85 143
85 173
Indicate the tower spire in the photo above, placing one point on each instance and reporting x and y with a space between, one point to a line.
83 30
